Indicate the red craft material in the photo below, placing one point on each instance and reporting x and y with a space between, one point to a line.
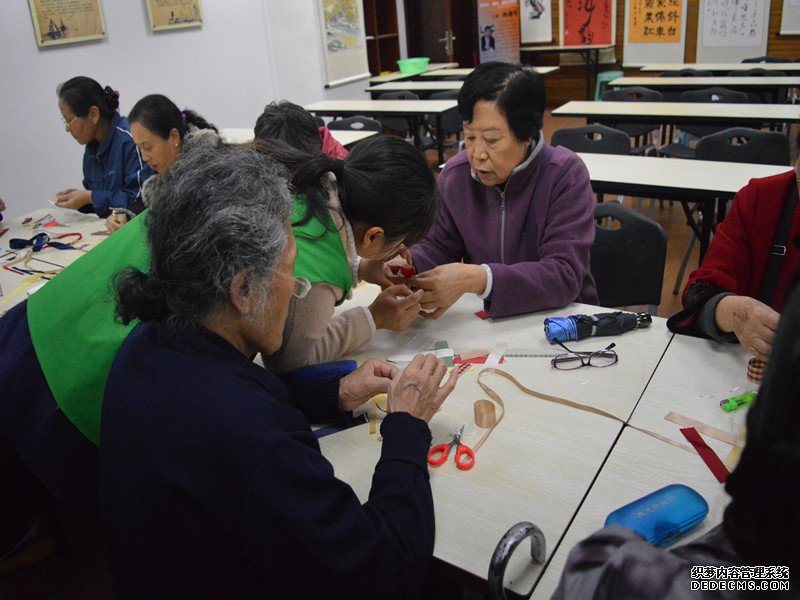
713 462
482 314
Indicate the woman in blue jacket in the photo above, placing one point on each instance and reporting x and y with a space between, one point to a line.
113 169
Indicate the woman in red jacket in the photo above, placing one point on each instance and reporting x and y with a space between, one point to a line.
731 297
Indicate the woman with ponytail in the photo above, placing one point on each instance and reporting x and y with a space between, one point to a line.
372 205
162 132
113 169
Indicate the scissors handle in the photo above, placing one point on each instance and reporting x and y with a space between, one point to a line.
465 458
442 450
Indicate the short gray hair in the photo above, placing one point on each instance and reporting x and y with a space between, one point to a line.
220 212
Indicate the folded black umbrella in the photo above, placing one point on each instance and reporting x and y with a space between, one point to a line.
578 327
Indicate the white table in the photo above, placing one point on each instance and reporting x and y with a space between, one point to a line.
590 54
344 137
539 462
15 286
463 72
674 178
680 84
415 109
722 68
421 88
394 76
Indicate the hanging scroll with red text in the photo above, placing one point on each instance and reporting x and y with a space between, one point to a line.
587 22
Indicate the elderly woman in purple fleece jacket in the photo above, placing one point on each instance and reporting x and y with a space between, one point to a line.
515 223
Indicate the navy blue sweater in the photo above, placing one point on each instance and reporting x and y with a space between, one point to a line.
213 485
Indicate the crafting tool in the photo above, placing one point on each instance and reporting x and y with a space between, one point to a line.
439 453
734 402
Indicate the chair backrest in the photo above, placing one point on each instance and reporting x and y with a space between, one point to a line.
634 93
356 123
602 81
687 73
595 139
753 146
627 262
451 119
454 78
756 72
712 94
401 95
766 59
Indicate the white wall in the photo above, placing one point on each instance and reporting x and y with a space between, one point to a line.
247 53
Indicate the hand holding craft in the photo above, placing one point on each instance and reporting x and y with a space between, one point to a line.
74 199
445 284
417 391
371 378
395 308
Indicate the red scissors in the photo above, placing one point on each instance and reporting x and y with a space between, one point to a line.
438 454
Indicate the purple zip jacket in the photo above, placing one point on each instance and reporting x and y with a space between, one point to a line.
535 236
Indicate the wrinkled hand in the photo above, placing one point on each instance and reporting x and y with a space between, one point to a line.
753 322
445 284
417 392
368 380
115 222
73 199
395 308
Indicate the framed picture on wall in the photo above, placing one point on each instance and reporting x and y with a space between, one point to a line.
587 22
174 14
67 21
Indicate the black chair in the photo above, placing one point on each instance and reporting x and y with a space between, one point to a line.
356 123
751 146
640 132
452 123
780 95
627 257
712 94
398 124
766 59
673 96
595 139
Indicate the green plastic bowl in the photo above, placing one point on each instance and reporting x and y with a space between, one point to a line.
410 66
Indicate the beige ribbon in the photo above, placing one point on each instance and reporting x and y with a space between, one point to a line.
577 405
710 431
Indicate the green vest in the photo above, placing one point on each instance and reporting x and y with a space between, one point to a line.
321 257
73 327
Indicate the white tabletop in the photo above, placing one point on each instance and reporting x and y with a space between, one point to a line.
677 112
722 67
638 465
15 286
541 459
398 75
647 172
466 71
366 107
416 86
703 82
344 137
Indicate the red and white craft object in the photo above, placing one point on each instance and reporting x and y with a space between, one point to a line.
755 370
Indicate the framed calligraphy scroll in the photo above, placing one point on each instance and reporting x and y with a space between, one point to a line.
587 22
59 22
174 14
655 31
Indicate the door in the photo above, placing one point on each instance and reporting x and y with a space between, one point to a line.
444 30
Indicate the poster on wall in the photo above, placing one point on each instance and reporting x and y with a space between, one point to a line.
587 22
729 23
536 21
174 14
498 27
67 21
655 32
343 41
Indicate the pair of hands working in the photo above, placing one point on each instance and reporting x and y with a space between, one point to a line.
429 294
416 390
72 198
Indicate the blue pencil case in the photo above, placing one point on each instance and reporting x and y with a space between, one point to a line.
661 517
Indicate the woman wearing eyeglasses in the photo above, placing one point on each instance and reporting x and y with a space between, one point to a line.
113 169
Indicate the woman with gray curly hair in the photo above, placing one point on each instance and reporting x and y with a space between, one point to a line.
212 483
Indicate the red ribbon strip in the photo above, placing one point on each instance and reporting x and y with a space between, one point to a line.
713 462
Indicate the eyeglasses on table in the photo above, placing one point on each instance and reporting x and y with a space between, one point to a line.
575 360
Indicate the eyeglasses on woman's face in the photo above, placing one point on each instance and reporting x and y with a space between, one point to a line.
68 124
301 287
575 360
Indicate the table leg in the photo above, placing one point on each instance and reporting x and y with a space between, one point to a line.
439 140
707 210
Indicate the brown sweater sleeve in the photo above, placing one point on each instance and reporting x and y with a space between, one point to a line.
313 334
